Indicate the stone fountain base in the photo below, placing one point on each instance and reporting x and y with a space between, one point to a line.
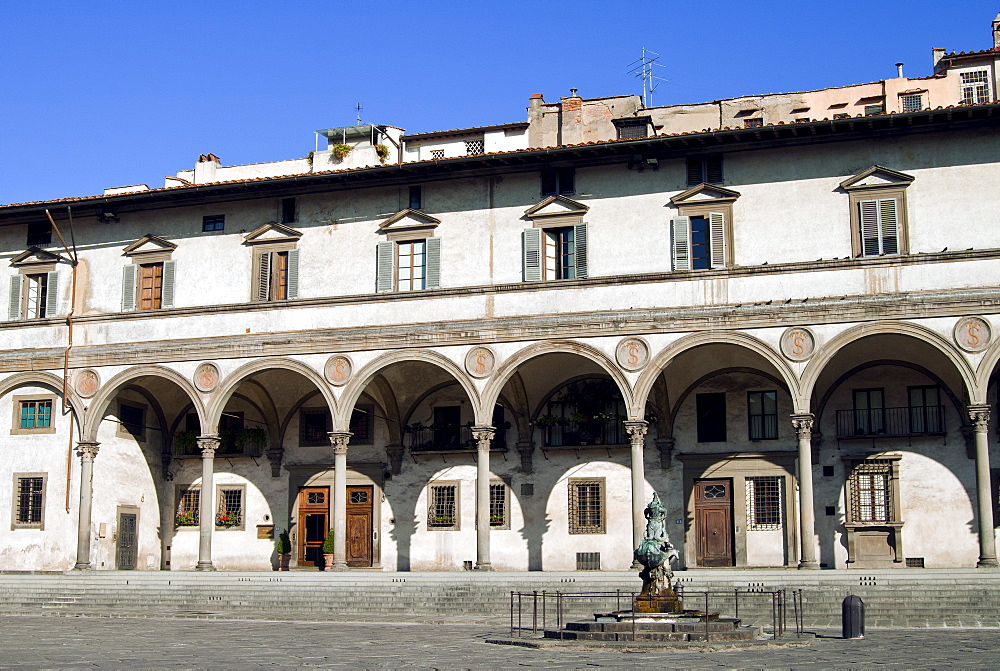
627 626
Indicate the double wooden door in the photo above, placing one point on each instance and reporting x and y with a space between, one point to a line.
713 522
315 520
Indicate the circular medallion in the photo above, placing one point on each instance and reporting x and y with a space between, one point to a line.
798 343
206 376
480 361
87 383
632 354
973 334
338 370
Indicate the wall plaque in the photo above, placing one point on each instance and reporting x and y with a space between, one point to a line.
798 343
973 334
206 376
480 361
87 383
338 370
632 354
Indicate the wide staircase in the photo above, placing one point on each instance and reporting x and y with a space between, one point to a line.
893 598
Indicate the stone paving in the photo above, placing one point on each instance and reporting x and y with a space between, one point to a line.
104 642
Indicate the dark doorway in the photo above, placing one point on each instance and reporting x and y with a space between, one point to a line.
713 514
128 541
314 513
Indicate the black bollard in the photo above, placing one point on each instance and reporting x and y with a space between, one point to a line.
853 617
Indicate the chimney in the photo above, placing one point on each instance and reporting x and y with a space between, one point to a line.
938 54
899 70
996 33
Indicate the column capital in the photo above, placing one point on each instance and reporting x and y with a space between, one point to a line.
980 416
637 429
483 433
339 440
87 450
208 444
803 424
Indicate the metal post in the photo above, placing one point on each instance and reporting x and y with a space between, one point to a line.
512 611
534 611
519 615
736 597
543 610
706 616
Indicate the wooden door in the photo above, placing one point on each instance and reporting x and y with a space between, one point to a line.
313 524
713 514
128 541
359 525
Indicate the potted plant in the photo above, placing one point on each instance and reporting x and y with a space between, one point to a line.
341 150
382 152
186 442
328 551
283 546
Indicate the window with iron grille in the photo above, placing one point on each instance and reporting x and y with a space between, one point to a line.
560 182
499 518
588 561
36 414
912 102
442 506
764 502
753 122
870 492
362 423
29 501
704 169
229 513
636 129
437 153
314 425
762 407
474 147
586 505
188 506
975 87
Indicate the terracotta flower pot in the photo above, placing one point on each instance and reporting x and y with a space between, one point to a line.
283 561
327 562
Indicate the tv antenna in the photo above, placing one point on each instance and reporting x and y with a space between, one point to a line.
358 108
644 69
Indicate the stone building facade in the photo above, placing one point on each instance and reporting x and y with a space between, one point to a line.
491 359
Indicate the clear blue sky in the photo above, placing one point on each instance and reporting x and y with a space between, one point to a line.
99 94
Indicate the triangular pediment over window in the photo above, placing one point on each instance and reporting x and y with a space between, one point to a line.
875 177
272 232
34 256
556 206
149 243
705 193
408 220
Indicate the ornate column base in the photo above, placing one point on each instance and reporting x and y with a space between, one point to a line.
483 566
808 565
204 566
82 566
987 563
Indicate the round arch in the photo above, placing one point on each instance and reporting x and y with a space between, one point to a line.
496 384
354 389
984 373
110 389
659 363
829 351
53 382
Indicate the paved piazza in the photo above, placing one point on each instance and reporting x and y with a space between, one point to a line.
73 642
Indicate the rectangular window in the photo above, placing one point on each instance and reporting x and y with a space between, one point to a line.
231 426
698 242
762 407
474 147
314 425
869 412
975 87
753 122
627 131
926 411
416 198
36 414
872 110
559 250
764 503
150 286
213 222
561 182
39 233
711 409
29 501
36 295
879 226
437 153
841 115
447 426
411 265
442 506
287 210
132 421
586 505
701 256
278 275
498 506
870 490
362 424
188 506
230 512
704 169
913 102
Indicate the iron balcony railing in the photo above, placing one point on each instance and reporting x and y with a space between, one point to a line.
572 434
888 422
432 438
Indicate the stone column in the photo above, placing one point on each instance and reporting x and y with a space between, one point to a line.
339 440
483 436
87 452
807 519
980 416
637 435
206 510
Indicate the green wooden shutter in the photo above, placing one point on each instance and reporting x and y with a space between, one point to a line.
52 294
383 275
870 242
432 250
550 183
695 171
128 287
717 231
167 291
264 276
580 240
532 240
889 225
14 307
292 288
681 244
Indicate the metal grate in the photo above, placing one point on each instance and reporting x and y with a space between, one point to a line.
586 506
29 501
914 562
441 510
632 130
188 508
753 122
437 153
913 102
588 561
870 491
764 502
230 512
474 147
